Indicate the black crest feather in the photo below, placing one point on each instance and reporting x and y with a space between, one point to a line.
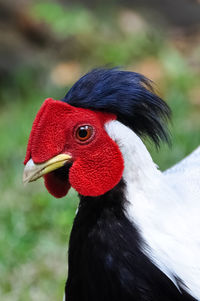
129 95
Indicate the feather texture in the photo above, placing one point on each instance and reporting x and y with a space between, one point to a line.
128 95
166 214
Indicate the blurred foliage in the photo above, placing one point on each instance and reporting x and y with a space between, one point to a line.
35 227
69 21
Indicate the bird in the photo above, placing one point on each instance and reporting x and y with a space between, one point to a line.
136 232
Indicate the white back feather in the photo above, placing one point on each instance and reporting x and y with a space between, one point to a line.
165 210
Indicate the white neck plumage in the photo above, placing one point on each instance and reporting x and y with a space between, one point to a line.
154 207
140 172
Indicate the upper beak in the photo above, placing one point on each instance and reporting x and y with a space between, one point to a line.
33 171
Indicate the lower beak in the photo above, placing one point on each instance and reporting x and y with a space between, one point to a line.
33 171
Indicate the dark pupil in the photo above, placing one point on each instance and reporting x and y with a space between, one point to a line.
83 132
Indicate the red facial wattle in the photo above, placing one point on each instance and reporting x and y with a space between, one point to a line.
97 163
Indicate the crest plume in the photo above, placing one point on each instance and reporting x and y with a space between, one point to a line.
129 95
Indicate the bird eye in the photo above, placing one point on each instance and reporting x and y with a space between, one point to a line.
84 132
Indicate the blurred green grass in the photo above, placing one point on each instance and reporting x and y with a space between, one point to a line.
35 227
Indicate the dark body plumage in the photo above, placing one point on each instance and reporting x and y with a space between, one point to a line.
106 262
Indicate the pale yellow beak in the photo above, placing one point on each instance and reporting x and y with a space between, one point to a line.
33 171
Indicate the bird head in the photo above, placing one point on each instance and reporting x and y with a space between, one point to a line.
69 144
